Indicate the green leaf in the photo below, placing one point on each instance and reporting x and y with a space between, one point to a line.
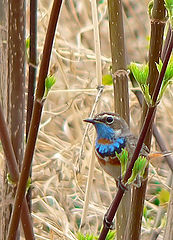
27 43
107 79
123 158
150 7
81 236
145 90
138 169
163 196
101 1
169 4
145 212
111 235
49 82
168 77
10 180
169 7
156 201
140 72
28 184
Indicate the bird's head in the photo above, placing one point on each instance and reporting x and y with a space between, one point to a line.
109 125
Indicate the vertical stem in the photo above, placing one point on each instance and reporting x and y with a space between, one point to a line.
32 74
16 74
32 62
120 78
121 94
97 42
116 35
156 41
16 78
14 174
4 209
168 36
99 83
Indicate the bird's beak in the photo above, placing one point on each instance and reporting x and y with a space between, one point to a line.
89 120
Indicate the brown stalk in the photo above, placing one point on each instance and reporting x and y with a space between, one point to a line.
16 76
156 41
14 174
35 121
148 119
120 76
32 62
4 209
32 75
121 95
16 91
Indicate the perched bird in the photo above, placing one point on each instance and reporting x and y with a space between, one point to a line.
113 135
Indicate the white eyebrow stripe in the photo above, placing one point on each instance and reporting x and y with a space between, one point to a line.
108 115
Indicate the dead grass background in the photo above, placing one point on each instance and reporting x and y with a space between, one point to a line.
58 189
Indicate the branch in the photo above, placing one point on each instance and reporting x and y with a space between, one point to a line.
14 174
32 75
35 121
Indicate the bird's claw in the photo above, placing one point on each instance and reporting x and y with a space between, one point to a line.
108 224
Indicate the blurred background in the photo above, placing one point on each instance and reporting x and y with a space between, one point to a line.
61 161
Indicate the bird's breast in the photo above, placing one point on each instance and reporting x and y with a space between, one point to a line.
106 150
109 148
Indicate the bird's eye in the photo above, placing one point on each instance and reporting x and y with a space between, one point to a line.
109 120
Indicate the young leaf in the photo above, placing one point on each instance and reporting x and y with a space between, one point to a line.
10 180
27 42
163 196
49 82
168 77
123 158
138 169
107 79
80 236
140 72
169 6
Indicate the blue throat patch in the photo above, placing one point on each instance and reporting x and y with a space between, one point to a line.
108 133
111 149
104 131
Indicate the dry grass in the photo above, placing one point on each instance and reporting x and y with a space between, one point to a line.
58 188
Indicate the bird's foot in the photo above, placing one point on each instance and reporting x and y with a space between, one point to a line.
108 224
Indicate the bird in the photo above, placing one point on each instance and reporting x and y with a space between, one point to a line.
112 136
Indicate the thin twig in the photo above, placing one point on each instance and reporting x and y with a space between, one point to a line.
98 96
100 90
32 75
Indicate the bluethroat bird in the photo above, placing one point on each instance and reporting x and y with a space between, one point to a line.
113 135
